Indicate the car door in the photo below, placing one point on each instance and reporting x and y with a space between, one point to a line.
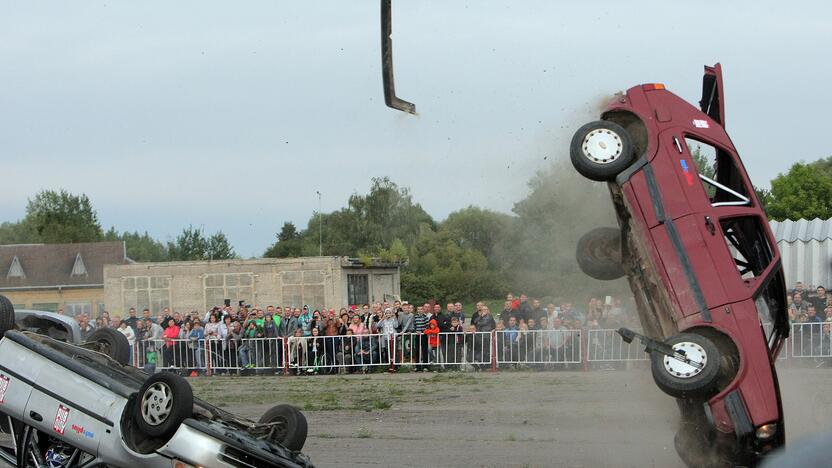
70 407
16 375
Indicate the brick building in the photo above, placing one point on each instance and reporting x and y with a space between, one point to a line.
58 276
200 285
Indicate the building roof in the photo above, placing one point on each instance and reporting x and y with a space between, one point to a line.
25 266
803 230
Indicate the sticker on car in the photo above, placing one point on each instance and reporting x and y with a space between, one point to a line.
82 432
61 418
4 385
699 123
686 170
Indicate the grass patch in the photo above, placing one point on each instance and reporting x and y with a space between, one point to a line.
364 433
368 404
511 438
457 378
323 406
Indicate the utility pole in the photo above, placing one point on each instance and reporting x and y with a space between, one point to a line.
320 227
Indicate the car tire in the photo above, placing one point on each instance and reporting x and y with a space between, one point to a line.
599 254
163 402
292 434
601 150
6 315
112 343
681 380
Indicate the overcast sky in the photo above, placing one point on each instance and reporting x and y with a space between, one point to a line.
232 115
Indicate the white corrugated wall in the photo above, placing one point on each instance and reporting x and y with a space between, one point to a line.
808 261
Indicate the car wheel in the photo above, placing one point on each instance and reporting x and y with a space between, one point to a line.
290 430
6 315
599 253
601 150
163 402
112 343
686 380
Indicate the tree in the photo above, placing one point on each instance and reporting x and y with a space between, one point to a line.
17 233
804 192
384 214
289 243
703 164
193 245
824 165
140 247
477 228
55 218
219 248
369 223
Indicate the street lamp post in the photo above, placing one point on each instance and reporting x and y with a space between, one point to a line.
320 227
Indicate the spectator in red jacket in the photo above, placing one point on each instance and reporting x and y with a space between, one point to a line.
171 334
433 339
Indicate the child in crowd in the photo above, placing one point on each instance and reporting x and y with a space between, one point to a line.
433 339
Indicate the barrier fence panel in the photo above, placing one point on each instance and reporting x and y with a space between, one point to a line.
171 354
607 345
811 340
448 350
313 354
262 354
538 346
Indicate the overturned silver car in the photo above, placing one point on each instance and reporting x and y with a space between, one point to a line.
62 405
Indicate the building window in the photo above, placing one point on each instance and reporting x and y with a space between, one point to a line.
74 309
19 306
358 289
146 292
304 287
45 306
235 287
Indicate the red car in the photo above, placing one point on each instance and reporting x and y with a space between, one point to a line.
701 260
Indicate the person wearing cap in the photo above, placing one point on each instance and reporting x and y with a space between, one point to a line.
305 321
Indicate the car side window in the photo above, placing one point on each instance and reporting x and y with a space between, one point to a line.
747 242
771 299
720 177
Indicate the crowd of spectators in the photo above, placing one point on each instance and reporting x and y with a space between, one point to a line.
354 338
810 308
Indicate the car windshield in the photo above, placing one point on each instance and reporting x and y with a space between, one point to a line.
771 307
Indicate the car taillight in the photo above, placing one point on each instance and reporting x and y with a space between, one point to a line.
652 86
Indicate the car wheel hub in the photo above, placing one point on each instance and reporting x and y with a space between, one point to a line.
157 403
602 146
693 353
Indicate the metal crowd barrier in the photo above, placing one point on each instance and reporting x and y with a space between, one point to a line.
452 350
538 346
210 355
607 346
463 350
314 354
811 340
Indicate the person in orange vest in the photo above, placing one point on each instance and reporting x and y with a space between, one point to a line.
433 339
